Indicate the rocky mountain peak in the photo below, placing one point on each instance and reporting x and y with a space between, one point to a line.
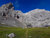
33 18
9 16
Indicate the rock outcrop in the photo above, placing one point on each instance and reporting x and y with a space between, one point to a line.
9 16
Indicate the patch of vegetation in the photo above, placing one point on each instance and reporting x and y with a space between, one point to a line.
25 33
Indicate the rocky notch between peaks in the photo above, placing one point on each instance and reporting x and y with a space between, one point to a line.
15 18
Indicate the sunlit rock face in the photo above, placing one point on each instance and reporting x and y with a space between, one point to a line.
10 17
37 18
16 18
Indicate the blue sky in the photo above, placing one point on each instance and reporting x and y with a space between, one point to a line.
27 5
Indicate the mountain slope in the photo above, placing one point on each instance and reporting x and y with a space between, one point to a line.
8 16
37 18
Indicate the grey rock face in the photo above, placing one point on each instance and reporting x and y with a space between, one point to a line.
36 18
9 17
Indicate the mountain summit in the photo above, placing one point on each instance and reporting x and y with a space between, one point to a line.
9 16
